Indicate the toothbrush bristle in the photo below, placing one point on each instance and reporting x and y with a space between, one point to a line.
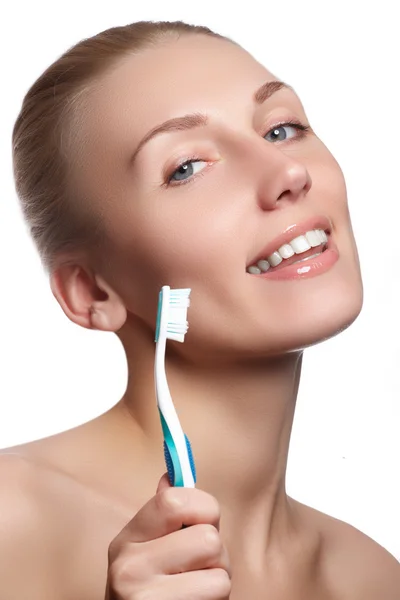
177 327
179 298
179 302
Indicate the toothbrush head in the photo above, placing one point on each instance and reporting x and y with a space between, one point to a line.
172 313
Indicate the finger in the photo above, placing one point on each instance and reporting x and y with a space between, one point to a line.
199 547
209 584
163 483
167 511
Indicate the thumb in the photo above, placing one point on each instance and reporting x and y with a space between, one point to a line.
163 483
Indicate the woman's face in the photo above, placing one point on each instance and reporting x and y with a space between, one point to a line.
249 181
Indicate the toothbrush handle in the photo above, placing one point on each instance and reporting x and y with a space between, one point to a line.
170 462
170 466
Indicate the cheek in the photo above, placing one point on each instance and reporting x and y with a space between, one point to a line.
168 247
190 236
329 194
329 182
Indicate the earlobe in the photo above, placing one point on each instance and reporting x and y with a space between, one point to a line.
110 316
87 299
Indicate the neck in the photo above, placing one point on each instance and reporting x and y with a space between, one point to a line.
238 419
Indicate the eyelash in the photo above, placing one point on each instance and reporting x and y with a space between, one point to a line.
303 129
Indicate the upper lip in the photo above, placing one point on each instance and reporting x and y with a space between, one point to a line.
293 231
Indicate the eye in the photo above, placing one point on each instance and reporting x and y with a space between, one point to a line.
185 169
278 133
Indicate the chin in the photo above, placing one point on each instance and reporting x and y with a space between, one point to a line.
258 341
328 321
311 311
325 317
309 318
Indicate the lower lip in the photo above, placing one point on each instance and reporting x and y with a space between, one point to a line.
309 268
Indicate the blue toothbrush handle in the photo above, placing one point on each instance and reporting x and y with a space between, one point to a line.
170 464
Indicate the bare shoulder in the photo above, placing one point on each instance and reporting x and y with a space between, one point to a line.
364 564
24 498
32 490
29 527
26 539
357 567
54 528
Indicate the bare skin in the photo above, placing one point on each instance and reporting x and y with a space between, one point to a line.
72 520
235 379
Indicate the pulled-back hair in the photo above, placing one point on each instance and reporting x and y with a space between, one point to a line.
58 217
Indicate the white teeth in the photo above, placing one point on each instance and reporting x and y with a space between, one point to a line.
263 265
306 258
300 244
323 236
254 270
274 259
286 251
313 238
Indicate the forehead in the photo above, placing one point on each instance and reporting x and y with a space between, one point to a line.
192 73
195 73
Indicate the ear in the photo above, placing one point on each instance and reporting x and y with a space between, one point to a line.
87 299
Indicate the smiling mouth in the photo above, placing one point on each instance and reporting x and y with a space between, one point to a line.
299 249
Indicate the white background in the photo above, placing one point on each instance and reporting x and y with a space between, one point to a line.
342 59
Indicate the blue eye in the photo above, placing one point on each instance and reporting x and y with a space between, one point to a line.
185 168
279 132
278 135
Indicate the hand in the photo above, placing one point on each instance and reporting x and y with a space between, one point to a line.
154 557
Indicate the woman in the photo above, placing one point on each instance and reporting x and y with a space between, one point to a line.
225 199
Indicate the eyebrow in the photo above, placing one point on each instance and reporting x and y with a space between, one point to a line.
191 121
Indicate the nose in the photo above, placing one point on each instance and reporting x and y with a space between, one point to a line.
282 178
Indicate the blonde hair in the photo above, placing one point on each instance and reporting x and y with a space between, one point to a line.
59 220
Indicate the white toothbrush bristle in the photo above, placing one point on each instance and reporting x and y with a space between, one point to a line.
178 325
179 298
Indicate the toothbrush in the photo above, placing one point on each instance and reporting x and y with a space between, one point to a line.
172 324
